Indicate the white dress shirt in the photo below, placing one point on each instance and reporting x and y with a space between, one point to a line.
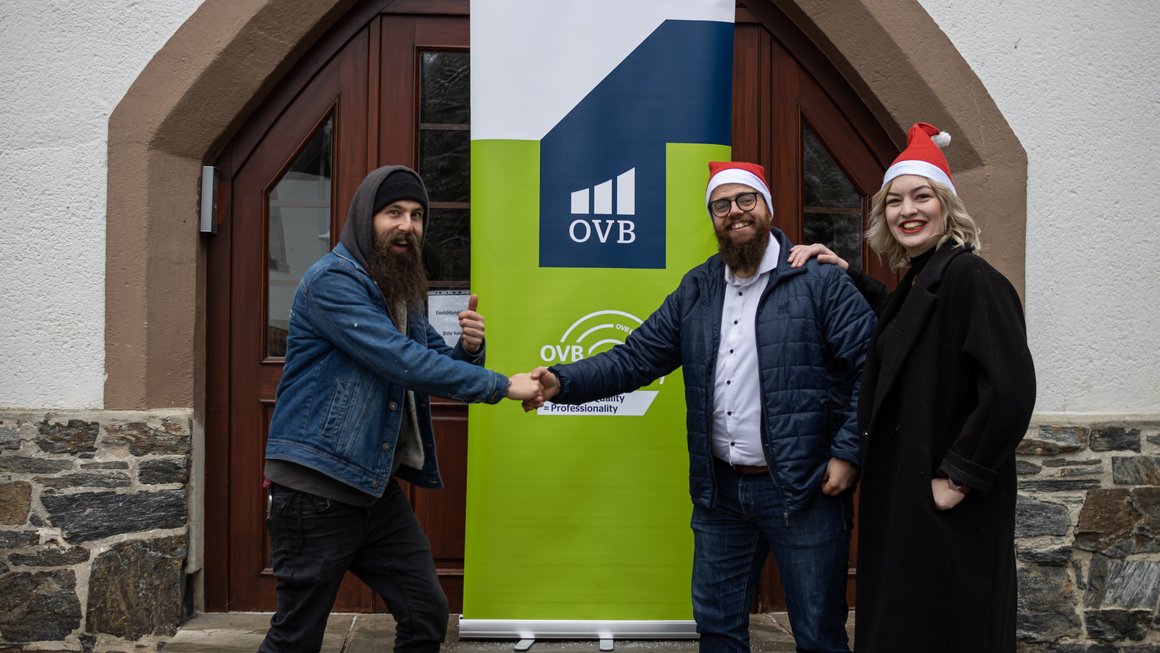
737 386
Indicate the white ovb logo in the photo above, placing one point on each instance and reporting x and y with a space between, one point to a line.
595 201
588 336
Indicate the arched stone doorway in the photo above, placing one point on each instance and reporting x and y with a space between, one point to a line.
226 59
229 54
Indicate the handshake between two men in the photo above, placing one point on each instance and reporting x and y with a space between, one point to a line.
533 388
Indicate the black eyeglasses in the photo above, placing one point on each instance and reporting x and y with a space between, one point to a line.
745 201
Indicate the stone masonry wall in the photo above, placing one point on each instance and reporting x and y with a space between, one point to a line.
93 529
1087 537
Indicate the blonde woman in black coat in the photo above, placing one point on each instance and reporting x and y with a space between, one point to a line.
947 393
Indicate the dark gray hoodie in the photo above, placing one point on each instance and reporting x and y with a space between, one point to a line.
359 232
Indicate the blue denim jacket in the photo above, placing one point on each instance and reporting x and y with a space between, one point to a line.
340 402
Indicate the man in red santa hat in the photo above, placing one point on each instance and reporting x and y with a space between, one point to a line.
772 359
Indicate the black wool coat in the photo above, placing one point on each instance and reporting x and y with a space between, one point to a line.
947 391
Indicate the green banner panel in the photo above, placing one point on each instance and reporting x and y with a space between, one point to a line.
576 514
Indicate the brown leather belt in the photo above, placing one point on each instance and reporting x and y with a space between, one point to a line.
742 469
750 469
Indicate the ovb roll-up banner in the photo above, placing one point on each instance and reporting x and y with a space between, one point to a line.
592 122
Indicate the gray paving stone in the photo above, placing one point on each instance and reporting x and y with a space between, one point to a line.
238 632
366 633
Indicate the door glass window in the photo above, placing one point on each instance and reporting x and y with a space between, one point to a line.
832 205
299 229
445 165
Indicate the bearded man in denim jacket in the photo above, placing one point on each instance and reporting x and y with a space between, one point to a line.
772 360
352 414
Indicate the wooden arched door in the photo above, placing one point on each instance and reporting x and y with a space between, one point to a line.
389 84
824 153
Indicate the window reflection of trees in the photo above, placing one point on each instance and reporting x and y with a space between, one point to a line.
832 205
445 164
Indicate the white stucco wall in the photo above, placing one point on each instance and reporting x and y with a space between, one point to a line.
1076 80
64 66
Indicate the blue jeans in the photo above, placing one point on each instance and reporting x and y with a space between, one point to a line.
811 548
314 541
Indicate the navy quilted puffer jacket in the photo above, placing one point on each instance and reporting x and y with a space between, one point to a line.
813 328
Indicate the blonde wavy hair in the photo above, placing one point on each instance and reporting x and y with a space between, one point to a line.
960 226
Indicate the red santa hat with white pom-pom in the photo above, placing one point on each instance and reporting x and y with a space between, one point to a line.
738 172
922 156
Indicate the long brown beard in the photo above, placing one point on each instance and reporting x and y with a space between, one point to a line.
739 256
400 276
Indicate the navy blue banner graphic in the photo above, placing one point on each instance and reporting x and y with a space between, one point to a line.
602 168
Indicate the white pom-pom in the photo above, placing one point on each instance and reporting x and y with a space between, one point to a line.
942 139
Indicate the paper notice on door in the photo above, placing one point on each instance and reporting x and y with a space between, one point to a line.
443 307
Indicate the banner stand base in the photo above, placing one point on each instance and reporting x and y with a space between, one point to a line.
605 631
